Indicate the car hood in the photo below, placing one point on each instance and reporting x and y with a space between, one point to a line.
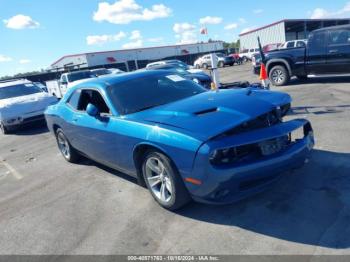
195 71
211 113
17 106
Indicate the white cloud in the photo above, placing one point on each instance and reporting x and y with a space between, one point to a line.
21 22
231 26
135 35
319 13
127 11
134 44
210 20
155 40
4 58
136 40
24 61
258 11
242 20
245 30
185 32
102 39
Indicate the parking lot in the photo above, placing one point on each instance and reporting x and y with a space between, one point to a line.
48 206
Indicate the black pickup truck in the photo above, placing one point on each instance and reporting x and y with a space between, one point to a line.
327 53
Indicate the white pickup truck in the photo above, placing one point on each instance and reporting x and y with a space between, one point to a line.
59 87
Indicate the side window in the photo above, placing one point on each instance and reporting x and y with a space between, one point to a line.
317 41
290 44
300 44
74 99
251 50
339 37
89 96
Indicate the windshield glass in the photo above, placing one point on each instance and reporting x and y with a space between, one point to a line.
151 91
18 90
78 76
100 72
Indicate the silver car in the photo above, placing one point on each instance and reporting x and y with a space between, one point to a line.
22 102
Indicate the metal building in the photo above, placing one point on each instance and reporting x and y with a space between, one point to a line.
286 30
134 57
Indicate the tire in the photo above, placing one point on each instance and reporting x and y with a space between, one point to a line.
163 181
302 78
205 66
279 76
67 151
221 64
245 59
4 130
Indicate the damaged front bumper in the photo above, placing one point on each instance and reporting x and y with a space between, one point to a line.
232 181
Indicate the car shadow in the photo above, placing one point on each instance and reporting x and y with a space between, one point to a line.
318 110
310 205
36 128
320 80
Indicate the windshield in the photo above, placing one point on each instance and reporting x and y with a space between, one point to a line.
151 91
18 90
78 76
100 72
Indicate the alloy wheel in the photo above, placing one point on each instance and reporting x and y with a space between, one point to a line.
63 145
278 76
159 179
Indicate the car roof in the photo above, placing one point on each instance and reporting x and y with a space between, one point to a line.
333 27
109 80
14 82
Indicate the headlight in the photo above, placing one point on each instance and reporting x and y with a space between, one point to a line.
232 154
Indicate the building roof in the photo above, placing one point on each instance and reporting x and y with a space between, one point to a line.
292 20
127 50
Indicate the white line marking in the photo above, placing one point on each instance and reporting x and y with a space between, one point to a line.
13 171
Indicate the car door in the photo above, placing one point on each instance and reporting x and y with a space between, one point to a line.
316 56
338 51
96 137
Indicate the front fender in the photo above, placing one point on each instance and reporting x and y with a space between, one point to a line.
285 62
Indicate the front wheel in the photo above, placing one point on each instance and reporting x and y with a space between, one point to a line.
221 64
163 181
279 76
67 151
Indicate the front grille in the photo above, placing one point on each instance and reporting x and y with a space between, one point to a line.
269 119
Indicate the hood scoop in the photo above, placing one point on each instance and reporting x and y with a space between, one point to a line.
206 111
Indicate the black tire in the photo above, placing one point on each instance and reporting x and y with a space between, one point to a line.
221 64
279 75
179 195
3 129
245 59
71 155
205 66
302 78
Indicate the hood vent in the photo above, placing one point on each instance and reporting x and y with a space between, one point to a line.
206 111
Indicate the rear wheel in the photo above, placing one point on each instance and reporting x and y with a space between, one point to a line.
245 59
205 66
279 75
163 181
67 151
221 64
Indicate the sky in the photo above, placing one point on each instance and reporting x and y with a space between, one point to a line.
35 33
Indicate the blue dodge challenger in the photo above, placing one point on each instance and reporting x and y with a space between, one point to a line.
180 140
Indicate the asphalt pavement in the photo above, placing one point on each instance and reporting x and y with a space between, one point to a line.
48 206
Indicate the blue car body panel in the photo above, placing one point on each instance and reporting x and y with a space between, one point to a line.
187 131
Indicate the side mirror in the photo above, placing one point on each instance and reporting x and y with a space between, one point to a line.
92 110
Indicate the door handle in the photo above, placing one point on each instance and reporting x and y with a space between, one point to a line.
333 51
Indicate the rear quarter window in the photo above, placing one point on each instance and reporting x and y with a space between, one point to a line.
73 101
